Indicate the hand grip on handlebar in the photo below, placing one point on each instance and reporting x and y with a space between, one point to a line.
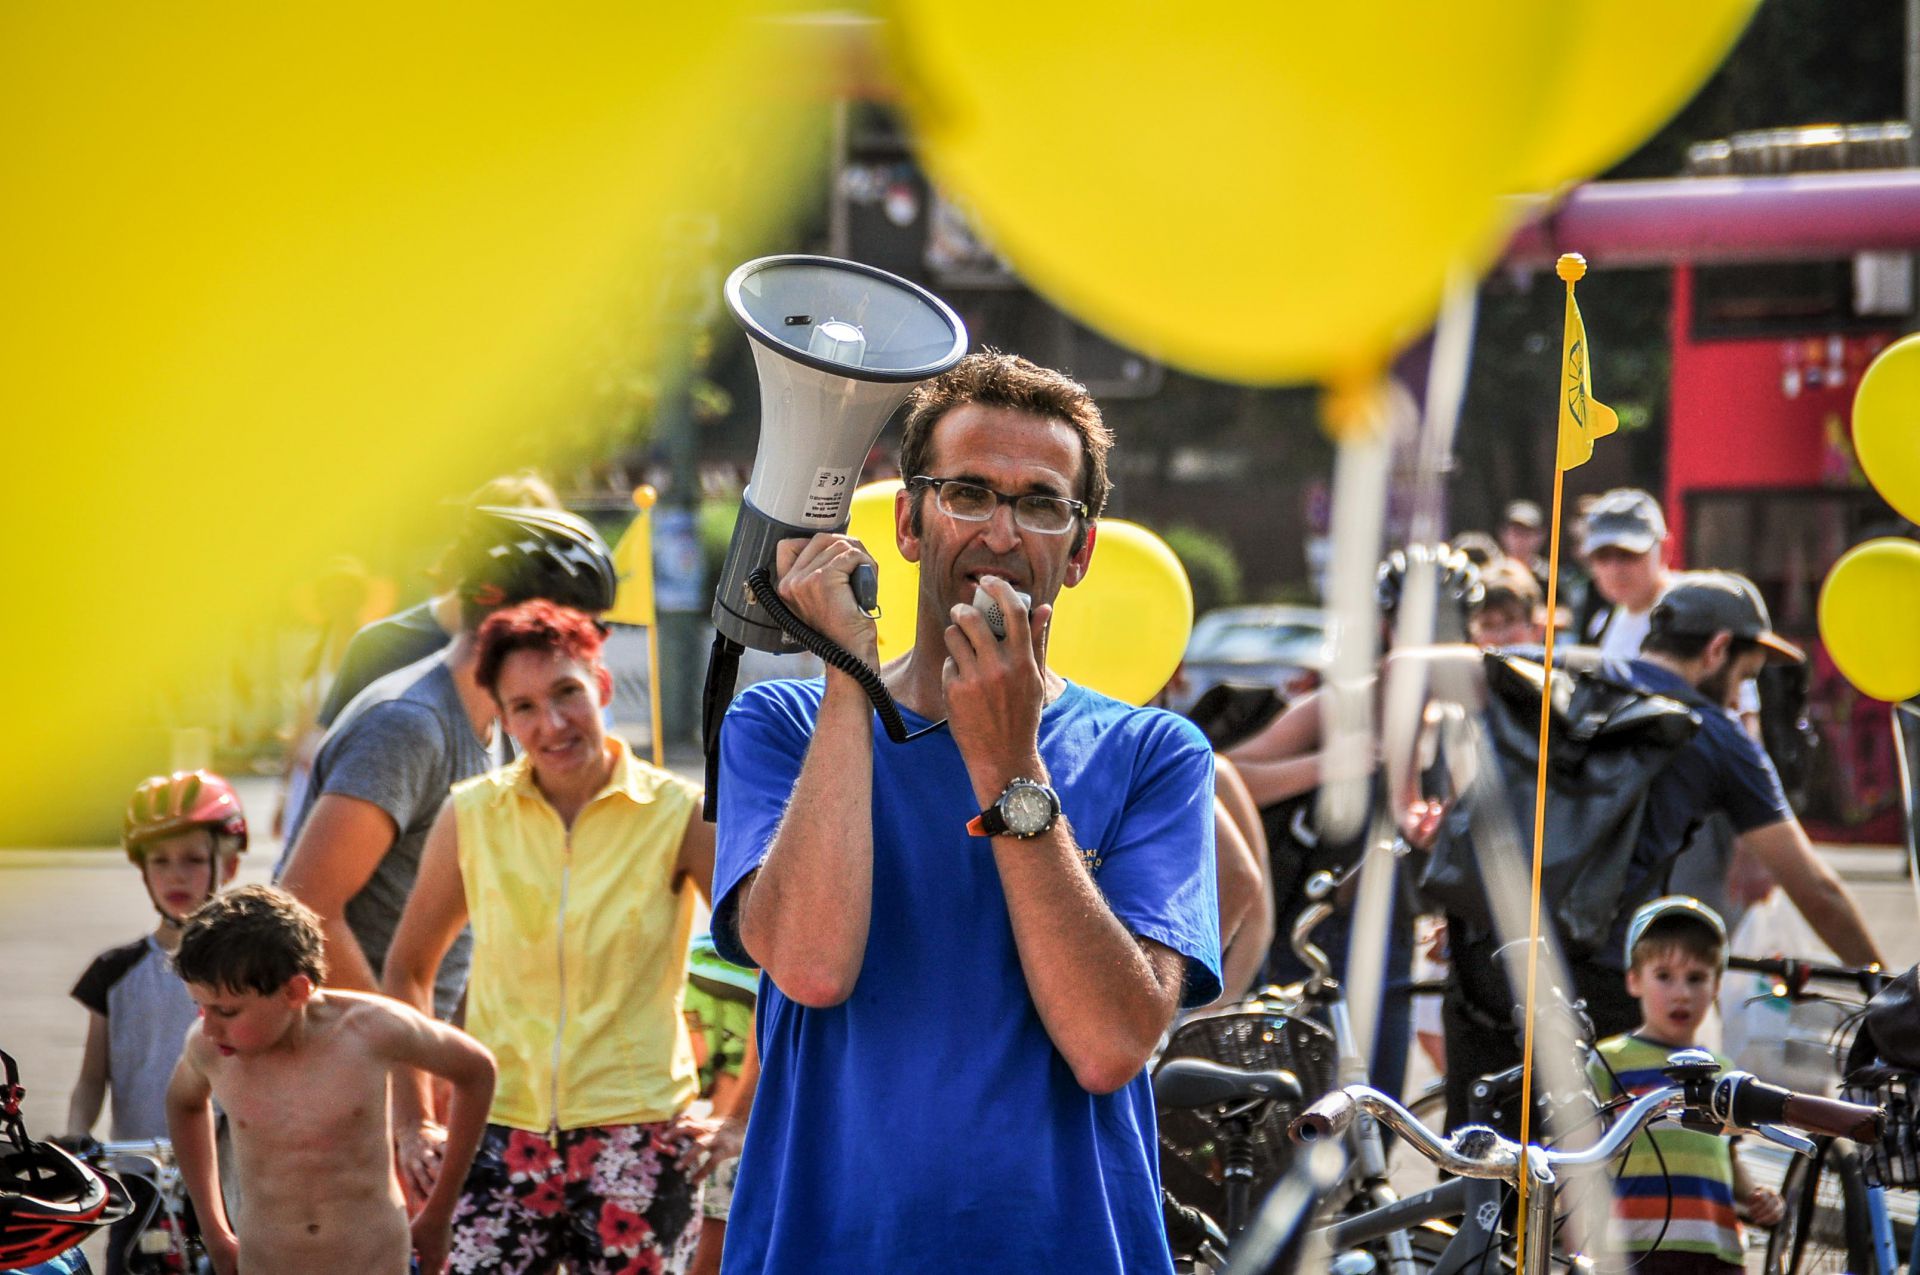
1741 1100
1328 1117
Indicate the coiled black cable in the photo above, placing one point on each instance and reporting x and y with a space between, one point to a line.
760 583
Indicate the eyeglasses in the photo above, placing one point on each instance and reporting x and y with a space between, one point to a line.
970 502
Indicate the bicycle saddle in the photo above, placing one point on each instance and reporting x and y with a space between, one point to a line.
1196 1082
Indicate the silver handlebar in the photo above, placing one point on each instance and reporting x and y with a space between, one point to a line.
1476 1151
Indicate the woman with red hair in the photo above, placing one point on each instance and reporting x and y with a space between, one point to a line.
577 867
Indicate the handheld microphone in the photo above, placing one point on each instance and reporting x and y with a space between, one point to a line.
996 618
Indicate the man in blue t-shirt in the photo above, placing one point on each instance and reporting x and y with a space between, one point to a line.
971 941
1708 633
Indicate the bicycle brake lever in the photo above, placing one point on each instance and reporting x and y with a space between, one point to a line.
1786 1138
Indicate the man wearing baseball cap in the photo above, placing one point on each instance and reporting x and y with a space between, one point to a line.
1708 633
1624 534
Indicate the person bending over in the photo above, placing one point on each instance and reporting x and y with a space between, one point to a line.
302 1074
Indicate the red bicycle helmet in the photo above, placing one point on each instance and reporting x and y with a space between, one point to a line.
49 1201
167 804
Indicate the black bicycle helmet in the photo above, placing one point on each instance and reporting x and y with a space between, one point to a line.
509 556
1459 591
49 1201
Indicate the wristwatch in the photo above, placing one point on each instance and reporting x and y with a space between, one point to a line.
1024 809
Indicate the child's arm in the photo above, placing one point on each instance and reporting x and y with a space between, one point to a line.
90 1090
190 1123
409 1038
436 909
1763 1206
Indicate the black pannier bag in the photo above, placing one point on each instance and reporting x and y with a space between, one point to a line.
1607 741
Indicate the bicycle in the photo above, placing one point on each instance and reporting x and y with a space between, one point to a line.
166 1239
1698 1092
1837 1218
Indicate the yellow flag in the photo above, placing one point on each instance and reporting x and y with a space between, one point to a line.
633 562
1583 418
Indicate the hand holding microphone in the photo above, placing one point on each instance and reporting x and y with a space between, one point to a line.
985 603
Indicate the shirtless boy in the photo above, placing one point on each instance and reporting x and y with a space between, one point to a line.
303 1077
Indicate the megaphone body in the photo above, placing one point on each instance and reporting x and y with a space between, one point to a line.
838 346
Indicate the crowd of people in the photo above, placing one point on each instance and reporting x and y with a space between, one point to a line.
971 944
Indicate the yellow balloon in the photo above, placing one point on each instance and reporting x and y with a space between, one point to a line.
1869 612
871 524
1255 192
280 277
1631 66
1886 425
1123 629
1120 631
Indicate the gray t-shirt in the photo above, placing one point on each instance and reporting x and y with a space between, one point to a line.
148 1012
400 745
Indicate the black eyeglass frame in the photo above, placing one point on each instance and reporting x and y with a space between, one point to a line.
1079 507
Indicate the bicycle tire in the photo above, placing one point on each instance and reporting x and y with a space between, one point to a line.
1825 1229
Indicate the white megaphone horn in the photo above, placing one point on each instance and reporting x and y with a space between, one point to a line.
839 346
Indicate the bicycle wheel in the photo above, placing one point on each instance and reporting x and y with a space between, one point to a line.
1825 1229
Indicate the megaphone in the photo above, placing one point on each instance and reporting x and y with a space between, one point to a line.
838 346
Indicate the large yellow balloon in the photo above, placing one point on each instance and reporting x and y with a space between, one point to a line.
1869 613
1886 425
1257 192
279 277
1120 631
1631 66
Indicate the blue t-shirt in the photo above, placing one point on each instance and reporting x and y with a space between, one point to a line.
928 1123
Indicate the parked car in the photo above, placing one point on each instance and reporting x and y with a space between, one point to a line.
1280 648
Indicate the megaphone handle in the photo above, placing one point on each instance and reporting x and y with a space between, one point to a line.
866 588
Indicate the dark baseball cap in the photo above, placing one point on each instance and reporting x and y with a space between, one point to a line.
1625 518
1524 513
1703 603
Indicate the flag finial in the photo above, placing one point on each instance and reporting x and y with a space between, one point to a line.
1572 267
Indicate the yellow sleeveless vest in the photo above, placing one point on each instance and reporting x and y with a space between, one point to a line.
579 946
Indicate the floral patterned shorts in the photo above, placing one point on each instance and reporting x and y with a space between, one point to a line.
607 1201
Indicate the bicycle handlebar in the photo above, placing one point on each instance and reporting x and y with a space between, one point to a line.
1738 1100
1795 973
1741 1100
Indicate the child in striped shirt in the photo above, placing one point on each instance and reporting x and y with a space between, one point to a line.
1674 1198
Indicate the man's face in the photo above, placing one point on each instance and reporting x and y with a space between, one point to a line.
1626 579
1521 542
1722 686
1012 452
244 1023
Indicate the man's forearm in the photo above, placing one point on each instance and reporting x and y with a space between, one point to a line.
805 915
1096 991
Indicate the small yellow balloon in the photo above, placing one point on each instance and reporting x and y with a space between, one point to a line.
1255 192
1886 425
871 523
1632 65
1869 612
1120 631
1123 629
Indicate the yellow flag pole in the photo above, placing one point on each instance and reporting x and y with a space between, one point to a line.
1571 267
644 497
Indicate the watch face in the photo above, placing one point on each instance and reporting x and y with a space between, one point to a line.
1027 810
